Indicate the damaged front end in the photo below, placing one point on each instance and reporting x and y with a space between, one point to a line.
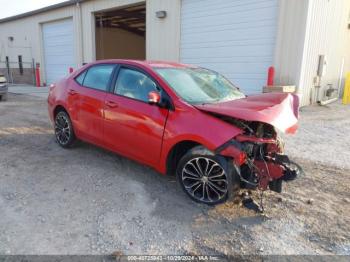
258 150
259 157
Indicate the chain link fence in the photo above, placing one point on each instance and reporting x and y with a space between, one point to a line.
18 72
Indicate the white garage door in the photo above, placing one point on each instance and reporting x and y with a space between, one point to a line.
233 37
58 49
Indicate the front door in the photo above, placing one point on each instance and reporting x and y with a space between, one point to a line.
133 127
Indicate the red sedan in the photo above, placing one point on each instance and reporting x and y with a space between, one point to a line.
179 119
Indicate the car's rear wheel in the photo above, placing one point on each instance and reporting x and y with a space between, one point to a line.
205 177
64 132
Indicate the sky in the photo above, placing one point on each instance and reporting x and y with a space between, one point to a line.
15 7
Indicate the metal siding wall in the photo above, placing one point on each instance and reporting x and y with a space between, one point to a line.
235 38
163 35
315 45
162 40
290 41
27 33
326 36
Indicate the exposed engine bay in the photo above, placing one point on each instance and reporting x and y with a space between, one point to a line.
257 150
260 159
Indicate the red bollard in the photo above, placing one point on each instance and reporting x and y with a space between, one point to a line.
37 74
71 70
271 76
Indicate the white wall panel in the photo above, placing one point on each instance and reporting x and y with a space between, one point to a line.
327 35
235 38
163 35
58 43
308 29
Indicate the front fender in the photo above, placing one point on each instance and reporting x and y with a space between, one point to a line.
197 127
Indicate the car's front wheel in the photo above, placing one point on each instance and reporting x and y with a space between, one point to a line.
205 177
64 132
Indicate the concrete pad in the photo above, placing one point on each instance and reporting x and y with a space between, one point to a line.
29 90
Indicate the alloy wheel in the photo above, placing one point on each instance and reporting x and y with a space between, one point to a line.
204 179
62 129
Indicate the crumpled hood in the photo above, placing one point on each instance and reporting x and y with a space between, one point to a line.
277 109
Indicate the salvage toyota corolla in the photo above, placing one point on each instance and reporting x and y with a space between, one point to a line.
179 119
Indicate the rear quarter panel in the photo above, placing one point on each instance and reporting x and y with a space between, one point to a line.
57 97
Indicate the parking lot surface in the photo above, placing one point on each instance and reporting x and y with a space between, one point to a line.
42 91
89 201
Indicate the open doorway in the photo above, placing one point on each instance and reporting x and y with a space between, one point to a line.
121 33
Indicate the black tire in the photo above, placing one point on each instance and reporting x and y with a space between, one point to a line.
64 132
214 188
293 171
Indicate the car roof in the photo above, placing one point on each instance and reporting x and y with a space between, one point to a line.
147 63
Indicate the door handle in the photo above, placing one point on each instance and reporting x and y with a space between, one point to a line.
72 92
111 104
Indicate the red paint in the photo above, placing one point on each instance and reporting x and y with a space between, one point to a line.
37 75
270 76
146 132
278 109
274 148
268 171
244 138
238 156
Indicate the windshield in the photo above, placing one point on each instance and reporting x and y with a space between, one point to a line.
199 86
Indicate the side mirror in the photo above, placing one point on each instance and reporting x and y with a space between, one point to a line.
154 98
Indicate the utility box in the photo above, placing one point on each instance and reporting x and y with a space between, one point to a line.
279 89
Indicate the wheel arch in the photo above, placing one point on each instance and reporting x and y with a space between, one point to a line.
177 151
59 108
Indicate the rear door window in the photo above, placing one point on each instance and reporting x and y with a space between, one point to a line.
80 78
97 77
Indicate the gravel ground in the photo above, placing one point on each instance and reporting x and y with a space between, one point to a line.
89 201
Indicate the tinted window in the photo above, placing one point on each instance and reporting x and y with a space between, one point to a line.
98 76
134 84
80 78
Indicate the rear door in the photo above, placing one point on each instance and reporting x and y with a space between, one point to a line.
132 126
86 101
